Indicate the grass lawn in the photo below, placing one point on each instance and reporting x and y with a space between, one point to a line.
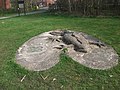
69 74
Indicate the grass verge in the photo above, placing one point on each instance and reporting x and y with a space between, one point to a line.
67 74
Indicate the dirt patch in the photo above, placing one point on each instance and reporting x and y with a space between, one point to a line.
42 52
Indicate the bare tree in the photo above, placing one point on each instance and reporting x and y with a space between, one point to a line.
92 7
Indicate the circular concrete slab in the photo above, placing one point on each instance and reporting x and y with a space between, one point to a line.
42 52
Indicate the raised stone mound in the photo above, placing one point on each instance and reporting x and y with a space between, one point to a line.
42 52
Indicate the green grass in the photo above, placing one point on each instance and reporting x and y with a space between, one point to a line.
69 74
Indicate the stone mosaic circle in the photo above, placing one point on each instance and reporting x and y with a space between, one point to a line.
43 51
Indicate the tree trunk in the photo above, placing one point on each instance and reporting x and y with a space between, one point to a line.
69 6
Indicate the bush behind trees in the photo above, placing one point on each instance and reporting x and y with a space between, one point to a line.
90 7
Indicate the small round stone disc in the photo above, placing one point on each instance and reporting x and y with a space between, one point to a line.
38 53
